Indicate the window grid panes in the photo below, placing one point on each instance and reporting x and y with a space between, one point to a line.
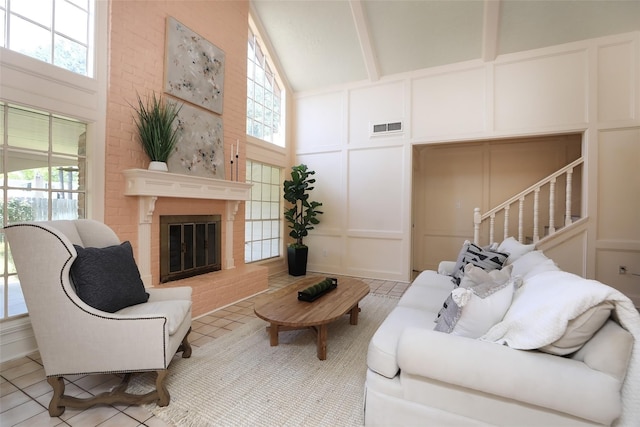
42 175
263 237
53 31
264 96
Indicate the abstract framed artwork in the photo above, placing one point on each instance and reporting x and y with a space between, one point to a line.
194 67
199 150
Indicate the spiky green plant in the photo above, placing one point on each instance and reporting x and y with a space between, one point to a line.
154 121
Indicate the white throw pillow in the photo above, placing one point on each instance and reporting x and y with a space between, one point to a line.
543 267
533 262
514 248
479 303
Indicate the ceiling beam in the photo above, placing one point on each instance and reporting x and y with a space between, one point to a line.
490 29
366 46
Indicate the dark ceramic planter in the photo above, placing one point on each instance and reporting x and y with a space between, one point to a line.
297 259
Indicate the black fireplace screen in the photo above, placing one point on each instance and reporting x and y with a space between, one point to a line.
189 245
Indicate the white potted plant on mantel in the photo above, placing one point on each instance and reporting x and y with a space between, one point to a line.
158 136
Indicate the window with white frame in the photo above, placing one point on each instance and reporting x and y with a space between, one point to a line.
262 213
42 175
265 105
54 31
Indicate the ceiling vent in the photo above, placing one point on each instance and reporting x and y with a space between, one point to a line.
386 128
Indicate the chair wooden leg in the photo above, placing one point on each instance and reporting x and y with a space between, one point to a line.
118 395
55 409
185 347
163 393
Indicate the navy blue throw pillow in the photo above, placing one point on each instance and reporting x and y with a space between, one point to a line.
108 278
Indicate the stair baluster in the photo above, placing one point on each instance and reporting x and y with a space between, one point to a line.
521 220
477 220
506 222
567 212
552 206
492 223
533 190
536 208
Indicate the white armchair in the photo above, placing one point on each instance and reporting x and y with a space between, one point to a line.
73 337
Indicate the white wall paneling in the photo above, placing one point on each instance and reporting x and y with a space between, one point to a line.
608 261
329 188
540 92
326 242
571 253
375 257
616 82
619 185
326 252
376 188
589 88
449 103
320 121
381 103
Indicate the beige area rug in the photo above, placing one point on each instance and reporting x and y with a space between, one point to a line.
240 380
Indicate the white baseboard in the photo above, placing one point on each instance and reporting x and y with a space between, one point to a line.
16 339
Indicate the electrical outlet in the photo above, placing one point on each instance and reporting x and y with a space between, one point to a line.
325 253
622 269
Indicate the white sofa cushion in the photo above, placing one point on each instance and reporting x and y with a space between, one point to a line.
174 311
382 356
446 268
608 351
427 292
530 377
432 279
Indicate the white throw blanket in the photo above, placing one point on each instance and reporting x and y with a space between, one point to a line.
553 298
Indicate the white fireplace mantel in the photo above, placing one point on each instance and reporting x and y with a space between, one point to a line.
149 185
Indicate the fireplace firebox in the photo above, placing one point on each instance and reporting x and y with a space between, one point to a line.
189 245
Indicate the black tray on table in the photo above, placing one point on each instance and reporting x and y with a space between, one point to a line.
332 283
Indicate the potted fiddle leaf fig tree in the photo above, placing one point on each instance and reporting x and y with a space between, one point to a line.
301 216
154 120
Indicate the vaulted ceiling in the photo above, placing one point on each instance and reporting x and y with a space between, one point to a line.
324 43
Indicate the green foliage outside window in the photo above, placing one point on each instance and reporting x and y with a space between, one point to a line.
18 210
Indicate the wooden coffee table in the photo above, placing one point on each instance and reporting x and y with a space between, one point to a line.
284 312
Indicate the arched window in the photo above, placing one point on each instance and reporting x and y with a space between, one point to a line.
265 103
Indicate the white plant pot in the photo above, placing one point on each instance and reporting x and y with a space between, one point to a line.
158 166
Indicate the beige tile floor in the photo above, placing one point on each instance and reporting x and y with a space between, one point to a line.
25 393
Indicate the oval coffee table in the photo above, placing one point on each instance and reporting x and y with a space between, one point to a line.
285 312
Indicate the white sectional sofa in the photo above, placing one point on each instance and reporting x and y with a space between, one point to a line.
565 352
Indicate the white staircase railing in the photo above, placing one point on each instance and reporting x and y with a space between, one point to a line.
533 192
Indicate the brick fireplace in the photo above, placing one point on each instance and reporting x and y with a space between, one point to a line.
210 290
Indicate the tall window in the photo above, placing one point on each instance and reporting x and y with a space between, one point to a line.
262 213
264 96
42 175
53 31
